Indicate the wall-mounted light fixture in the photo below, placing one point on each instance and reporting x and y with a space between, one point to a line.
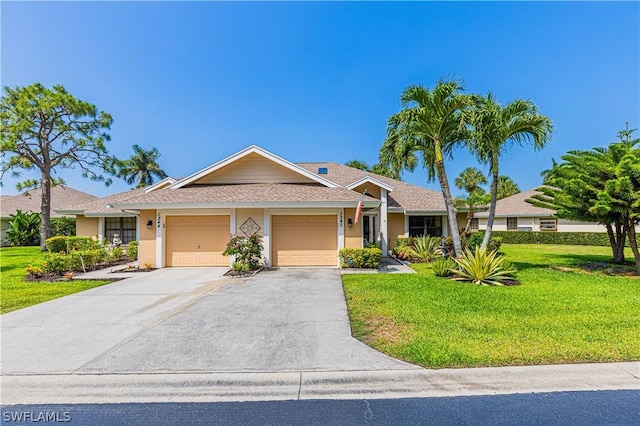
349 222
149 224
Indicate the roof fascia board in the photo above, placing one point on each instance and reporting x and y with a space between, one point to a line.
369 179
250 150
160 183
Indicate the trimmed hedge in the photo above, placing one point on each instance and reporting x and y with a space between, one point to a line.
61 243
567 238
364 258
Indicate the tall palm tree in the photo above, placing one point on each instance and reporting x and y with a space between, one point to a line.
470 180
430 125
507 187
495 128
142 166
357 164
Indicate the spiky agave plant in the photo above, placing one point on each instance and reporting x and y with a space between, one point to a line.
426 248
483 267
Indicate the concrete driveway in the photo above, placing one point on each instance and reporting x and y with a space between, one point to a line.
191 320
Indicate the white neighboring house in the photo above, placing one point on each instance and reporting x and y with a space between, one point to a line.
515 214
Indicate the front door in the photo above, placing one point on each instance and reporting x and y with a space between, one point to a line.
369 229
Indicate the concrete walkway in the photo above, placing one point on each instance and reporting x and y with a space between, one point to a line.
388 265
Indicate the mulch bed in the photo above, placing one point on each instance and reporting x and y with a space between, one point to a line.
56 278
241 274
626 270
126 270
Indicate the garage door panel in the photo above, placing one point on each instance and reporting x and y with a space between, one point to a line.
305 240
196 240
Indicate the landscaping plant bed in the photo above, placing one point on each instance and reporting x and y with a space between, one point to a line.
117 271
241 274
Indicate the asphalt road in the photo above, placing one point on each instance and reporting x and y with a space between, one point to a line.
561 408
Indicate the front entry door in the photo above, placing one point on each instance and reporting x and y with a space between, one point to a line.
369 229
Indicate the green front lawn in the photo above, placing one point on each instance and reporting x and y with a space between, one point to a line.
15 293
559 314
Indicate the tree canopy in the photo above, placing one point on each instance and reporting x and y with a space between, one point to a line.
49 130
430 125
142 167
600 185
495 128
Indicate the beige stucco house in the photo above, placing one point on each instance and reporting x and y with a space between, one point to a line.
515 214
62 197
305 212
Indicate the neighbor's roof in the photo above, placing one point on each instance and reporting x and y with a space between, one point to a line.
403 196
516 205
98 206
62 197
238 194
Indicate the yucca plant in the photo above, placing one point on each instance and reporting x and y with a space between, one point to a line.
483 267
426 248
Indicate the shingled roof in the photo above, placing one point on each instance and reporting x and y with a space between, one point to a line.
99 206
404 196
516 205
62 197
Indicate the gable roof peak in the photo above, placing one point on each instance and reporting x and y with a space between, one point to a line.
253 149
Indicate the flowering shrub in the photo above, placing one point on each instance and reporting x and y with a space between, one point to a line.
247 250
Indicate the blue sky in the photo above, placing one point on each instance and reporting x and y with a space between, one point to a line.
317 81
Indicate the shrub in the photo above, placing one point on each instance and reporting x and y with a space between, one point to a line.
88 258
475 240
56 263
24 229
56 244
442 267
482 267
566 238
82 243
132 250
115 254
426 249
364 258
239 266
248 250
65 226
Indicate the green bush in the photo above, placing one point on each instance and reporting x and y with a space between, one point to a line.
24 229
483 267
247 250
364 258
90 258
82 243
56 263
132 250
115 254
56 244
442 267
63 226
548 237
426 249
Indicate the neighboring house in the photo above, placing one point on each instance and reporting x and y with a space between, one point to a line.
62 197
305 212
515 214
100 220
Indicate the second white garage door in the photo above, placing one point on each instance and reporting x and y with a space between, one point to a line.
305 240
196 240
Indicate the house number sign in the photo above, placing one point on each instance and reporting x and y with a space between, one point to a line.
158 221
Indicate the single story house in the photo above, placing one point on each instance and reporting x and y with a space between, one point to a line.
515 214
305 212
62 197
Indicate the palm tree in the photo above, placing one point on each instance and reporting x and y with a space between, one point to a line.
357 164
430 125
495 127
470 180
507 187
142 166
